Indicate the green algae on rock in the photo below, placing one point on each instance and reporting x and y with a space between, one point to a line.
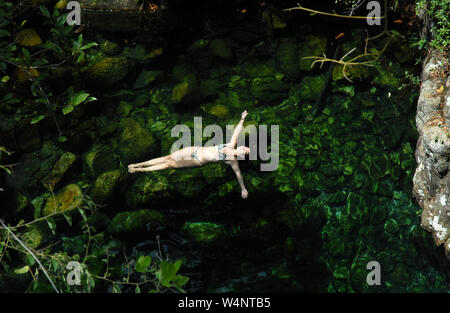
59 169
105 185
147 188
107 70
136 143
135 221
203 232
67 199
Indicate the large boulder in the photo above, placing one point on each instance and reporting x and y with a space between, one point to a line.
432 176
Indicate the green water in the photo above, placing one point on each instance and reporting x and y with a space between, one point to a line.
340 197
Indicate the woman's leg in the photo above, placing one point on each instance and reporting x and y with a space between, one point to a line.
151 162
158 167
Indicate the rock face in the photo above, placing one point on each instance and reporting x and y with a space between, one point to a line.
432 177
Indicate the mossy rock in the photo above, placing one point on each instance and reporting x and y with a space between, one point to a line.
287 60
105 185
110 47
255 68
28 37
145 78
36 235
59 169
386 78
136 143
182 91
219 111
107 71
147 188
124 109
310 87
69 198
136 221
311 46
141 54
203 232
268 88
88 161
26 74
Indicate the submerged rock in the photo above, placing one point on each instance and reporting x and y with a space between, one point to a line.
69 198
61 166
107 70
136 143
105 185
127 222
203 232
310 87
36 235
145 189
28 37
314 46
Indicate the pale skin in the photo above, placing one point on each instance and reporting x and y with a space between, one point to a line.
183 157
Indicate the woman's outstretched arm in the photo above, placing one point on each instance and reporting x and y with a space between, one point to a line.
237 171
237 130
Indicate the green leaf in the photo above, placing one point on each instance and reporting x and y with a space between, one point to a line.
137 290
80 58
67 109
167 272
180 281
5 78
78 98
26 55
22 270
143 263
83 214
89 45
68 219
62 138
29 259
55 265
44 11
51 224
37 119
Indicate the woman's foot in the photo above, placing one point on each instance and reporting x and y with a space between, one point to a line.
131 168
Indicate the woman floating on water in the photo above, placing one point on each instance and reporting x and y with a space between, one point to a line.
198 156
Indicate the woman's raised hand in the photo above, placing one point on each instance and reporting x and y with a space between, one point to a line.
244 114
